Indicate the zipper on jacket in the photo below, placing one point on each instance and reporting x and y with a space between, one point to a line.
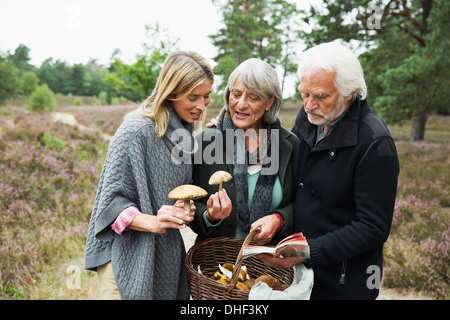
342 279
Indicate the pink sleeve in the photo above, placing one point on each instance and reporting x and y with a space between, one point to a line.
124 219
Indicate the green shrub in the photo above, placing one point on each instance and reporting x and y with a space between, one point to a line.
28 83
115 101
78 102
103 96
51 142
8 81
42 100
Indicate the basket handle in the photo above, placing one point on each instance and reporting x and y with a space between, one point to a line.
239 259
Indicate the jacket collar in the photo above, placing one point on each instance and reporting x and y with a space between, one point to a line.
285 154
344 135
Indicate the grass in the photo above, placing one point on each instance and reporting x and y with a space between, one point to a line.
50 173
418 251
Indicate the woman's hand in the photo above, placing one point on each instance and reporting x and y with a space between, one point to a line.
212 123
218 206
168 217
268 226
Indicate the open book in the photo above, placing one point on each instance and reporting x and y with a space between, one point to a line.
293 246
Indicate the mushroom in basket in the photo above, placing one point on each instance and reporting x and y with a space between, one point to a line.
244 283
271 282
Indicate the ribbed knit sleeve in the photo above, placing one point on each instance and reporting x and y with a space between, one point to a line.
118 189
115 192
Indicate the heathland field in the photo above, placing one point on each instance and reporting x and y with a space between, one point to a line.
50 171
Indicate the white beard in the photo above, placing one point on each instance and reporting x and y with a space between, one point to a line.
328 119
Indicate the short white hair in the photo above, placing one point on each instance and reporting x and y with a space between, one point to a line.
261 79
334 57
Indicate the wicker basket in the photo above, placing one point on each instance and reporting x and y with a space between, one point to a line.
209 253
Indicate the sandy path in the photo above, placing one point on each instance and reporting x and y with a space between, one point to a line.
69 119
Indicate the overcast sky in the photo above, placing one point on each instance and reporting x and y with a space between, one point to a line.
76 30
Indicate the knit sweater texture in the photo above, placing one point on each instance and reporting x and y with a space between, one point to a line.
139 171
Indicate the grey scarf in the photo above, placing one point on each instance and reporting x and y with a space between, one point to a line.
262 197
179 139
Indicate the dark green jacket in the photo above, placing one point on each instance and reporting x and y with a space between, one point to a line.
289 152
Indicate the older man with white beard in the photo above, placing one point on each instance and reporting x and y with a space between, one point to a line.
348 172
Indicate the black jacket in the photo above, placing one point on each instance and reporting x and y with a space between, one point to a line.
345 200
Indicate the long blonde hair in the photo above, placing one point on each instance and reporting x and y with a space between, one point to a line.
181 73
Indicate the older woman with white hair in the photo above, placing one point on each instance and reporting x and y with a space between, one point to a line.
348 171
262 160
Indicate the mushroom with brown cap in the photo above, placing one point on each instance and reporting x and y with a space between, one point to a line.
218 177
187 192
271 281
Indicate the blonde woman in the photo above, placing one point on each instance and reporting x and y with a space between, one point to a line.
134 242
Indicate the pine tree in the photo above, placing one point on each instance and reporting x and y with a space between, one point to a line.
254 29
405 63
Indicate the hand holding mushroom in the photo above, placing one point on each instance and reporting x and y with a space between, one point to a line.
167 217
187 193
219 204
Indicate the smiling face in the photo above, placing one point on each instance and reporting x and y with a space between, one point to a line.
321 99
246 108
191 106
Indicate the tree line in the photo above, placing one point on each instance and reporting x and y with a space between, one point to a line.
132 82
19 77
402 46
404 55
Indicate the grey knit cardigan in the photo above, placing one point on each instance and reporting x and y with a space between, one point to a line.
139 170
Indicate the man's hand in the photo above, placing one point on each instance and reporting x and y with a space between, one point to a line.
268 226
279 261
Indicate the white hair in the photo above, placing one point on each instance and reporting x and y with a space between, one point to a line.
261 79
334 57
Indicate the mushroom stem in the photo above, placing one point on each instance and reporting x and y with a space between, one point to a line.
220 186
187 209
187 206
